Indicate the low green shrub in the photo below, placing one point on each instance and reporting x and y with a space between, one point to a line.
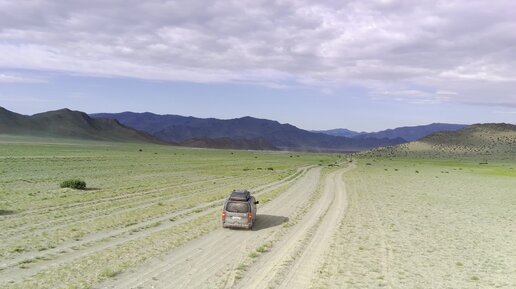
74 184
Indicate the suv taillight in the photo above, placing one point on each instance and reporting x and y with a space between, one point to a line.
223 216
249 216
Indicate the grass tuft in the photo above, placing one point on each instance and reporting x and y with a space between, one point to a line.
109 273
253 254
74 184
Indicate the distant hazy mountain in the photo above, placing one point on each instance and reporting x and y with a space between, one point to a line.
481 141
411 133
340 132
69 124
285 136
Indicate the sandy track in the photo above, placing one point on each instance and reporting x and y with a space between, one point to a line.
216 259
294 260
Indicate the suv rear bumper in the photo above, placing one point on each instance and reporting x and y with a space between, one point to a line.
237 225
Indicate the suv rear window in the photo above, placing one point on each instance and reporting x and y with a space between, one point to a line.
237 207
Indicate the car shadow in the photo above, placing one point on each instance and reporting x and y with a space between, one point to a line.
268 221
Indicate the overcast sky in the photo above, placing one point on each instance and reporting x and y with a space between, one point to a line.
363 65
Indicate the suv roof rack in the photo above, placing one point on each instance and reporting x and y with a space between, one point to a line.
240 195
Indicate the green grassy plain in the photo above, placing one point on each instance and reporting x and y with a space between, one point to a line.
410 222
426 223
142 201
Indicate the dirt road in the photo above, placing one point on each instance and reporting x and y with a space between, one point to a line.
284 250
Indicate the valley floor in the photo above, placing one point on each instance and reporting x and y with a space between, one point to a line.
370 223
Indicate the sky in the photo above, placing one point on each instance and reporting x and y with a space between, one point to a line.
364 65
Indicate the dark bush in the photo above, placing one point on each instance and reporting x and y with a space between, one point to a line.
74 184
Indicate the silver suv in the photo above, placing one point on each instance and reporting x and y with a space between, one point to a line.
239 210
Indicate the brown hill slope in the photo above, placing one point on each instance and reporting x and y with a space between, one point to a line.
482 141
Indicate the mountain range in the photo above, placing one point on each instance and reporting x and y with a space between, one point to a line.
340 132
181 129
408 133
66 123
240 133
412 133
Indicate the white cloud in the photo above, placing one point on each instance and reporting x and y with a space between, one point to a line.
12 78
505 112
414 96
462 51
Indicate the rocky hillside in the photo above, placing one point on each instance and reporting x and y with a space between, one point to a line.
481 141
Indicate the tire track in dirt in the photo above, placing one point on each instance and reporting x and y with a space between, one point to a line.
294 260
31 220
45 210
384 245
87 217
312 256
359 257
93 213
206 261
128 199
103 240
